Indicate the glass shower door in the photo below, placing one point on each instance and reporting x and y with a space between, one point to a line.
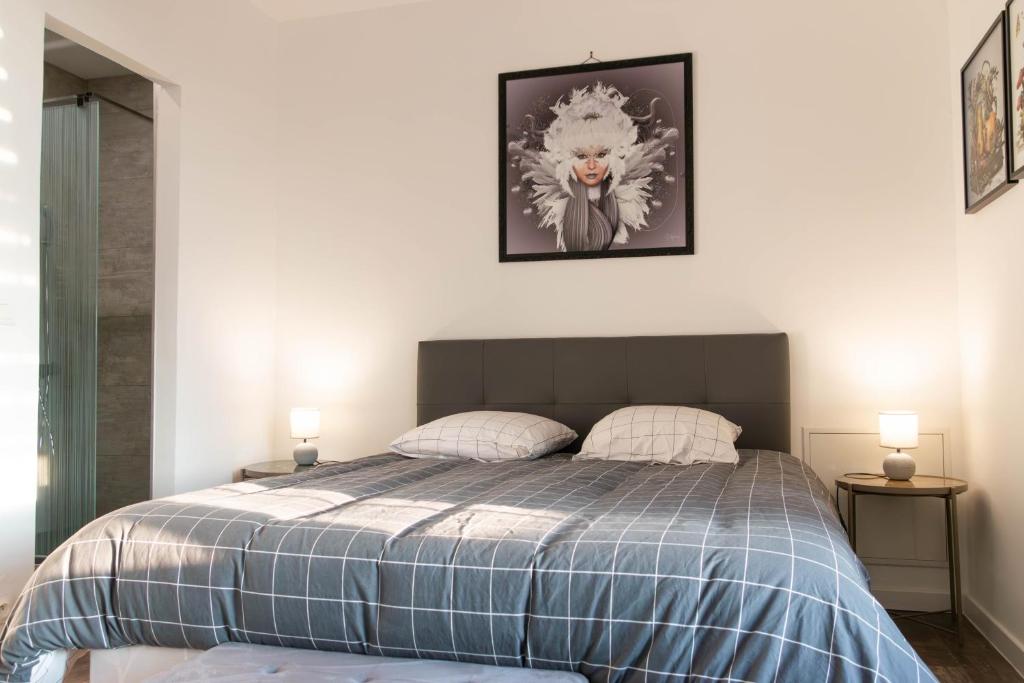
68 262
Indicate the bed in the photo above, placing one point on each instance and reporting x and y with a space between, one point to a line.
618 570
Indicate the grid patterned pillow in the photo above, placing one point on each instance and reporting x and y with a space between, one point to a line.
485 435
663 434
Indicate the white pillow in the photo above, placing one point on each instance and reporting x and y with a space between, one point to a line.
485 435
663 434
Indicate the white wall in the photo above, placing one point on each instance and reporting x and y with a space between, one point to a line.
20 94
821 148
991 281
221 56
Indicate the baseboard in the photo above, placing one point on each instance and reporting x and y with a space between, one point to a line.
911 601
1008 645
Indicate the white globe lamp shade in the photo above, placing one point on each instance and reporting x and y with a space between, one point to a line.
898 429
305 424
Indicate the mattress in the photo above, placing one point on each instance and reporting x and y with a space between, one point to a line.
616 570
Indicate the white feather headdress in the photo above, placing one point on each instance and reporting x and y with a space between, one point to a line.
592 117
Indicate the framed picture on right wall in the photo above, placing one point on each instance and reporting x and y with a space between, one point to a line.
1015 79
986 120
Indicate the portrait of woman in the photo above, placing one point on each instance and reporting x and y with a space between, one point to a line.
596 164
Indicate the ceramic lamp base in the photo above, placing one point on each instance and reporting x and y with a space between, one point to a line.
899 466
305 453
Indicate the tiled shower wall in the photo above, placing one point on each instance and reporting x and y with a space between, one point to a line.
124 400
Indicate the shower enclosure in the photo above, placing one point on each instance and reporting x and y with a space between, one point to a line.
68 265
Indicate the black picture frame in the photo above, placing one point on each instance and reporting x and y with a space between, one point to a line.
684 188
1015 93
1005 181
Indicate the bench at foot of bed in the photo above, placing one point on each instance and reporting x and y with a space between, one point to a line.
240 662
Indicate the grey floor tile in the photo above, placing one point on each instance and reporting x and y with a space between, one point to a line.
126 294
122 260
121 480
126 213
123 420
126 351
131 90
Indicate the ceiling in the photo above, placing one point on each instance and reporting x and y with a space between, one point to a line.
290 10
75 59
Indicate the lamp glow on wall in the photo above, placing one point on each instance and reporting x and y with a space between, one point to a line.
898 429
305 425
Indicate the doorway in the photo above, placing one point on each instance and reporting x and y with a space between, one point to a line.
96 290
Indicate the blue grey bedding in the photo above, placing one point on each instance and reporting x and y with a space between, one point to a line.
618 570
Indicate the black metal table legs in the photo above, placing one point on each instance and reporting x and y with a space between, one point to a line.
952 557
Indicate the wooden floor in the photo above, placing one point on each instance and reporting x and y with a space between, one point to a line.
974 661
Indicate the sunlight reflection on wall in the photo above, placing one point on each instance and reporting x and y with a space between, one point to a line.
19 303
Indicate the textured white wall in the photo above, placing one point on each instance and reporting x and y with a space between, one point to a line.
822 183
222 56
989 245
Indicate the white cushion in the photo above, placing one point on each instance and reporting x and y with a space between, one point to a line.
664 434
485 435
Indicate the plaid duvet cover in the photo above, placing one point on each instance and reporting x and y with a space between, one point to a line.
618 570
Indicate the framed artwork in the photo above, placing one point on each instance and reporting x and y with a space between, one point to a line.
596 160
986 124
1015 61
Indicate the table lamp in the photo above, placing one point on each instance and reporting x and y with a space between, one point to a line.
898 429
305 424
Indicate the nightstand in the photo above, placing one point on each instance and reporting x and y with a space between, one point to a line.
273 468
946 488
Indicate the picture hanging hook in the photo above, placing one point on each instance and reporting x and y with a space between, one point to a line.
591 58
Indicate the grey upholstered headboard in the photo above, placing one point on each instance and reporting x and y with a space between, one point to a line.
577 381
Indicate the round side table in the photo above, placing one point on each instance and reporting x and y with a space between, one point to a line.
946 488
273 468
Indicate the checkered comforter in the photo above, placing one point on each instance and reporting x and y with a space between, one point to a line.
619 570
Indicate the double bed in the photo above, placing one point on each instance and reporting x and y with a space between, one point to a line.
620 571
